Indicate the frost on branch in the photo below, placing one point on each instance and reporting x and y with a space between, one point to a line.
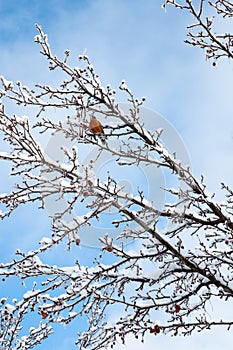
204 32
166 282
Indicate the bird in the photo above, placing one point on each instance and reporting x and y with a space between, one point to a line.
96 128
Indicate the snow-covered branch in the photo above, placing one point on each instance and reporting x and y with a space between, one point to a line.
176 269
204 31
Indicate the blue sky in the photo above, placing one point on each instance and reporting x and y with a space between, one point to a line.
139 42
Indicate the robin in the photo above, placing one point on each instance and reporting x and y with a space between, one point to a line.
96 128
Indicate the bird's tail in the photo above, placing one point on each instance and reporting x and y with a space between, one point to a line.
103 138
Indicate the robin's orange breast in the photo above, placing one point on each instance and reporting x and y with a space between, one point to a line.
95 126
